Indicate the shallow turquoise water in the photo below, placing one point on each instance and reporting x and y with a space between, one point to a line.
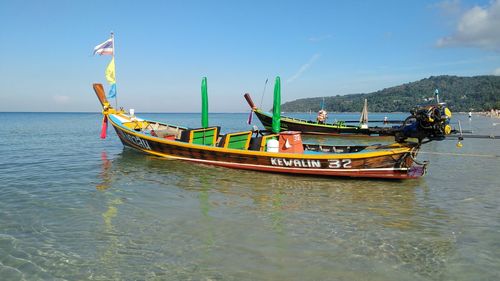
75 207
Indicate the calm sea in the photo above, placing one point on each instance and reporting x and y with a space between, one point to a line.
75 207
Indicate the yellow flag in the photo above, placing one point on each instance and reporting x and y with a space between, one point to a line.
110 72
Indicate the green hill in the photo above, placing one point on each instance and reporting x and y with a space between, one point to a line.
478 93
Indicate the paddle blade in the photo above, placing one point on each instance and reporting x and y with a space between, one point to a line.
249 100
99 91
104 127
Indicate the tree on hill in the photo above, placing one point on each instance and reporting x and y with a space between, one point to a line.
478 93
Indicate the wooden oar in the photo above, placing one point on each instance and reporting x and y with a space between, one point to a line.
375 121
460 154
473 136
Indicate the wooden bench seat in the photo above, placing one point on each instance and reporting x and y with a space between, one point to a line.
203 136
239 140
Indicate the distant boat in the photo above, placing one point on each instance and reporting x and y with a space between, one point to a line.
314 127
279 152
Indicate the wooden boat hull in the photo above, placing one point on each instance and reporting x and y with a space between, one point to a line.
290 124
394 163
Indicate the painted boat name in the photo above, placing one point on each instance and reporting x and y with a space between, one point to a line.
308 163
136 140
302 163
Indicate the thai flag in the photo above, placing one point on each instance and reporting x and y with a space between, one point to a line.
105 48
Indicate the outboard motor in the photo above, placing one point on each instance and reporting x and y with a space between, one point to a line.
431 122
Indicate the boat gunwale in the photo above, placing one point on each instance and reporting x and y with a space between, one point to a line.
391 173
306 122
351 155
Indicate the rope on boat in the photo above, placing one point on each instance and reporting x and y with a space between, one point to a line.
413 155
460 154
263 92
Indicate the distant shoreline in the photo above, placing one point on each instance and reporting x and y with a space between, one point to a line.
492 113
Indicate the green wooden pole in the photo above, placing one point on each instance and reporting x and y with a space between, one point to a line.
277 106
204 103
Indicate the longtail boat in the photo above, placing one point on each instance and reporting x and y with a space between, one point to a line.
275 151
339 127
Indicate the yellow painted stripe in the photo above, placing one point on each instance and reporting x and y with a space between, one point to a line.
384 152
215 162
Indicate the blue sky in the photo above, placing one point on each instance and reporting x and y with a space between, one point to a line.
164 48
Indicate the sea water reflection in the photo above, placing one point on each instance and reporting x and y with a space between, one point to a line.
68 211
266 221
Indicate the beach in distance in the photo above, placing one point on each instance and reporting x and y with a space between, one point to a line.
76 207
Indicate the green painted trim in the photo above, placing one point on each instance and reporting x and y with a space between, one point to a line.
204 137
238 141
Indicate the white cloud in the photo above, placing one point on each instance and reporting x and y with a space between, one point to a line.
449 7
477 27
496 72
60 99
320 38
303 68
